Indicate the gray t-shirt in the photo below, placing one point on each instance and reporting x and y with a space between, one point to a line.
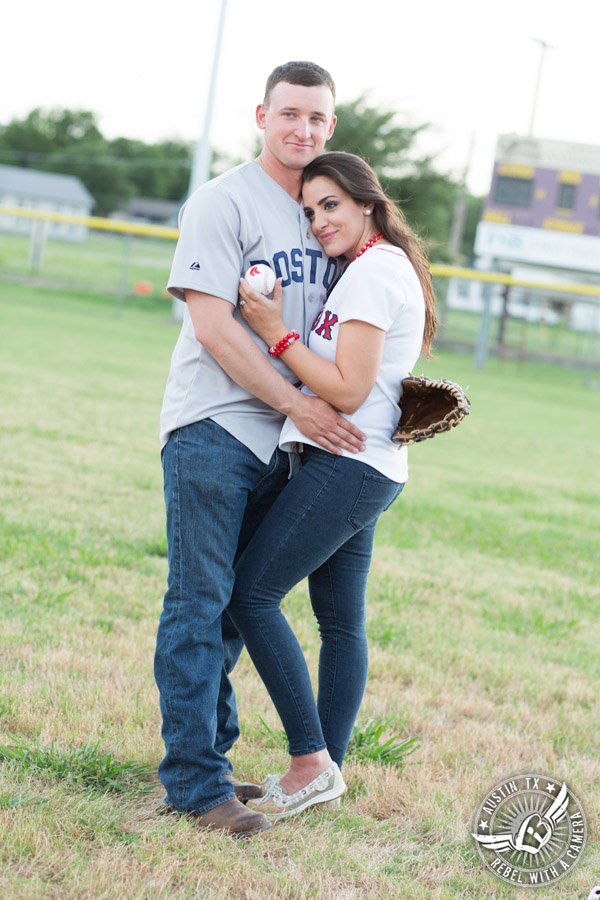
237 220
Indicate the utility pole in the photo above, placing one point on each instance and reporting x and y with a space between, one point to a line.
460 208
544 46
456 233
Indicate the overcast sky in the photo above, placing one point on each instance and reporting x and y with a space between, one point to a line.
467 67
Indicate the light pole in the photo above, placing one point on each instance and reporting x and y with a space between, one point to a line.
203 154
544 46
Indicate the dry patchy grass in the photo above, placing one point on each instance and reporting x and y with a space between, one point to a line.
483 625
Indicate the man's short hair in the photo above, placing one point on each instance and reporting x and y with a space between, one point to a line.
307 74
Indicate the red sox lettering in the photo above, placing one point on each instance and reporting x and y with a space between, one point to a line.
323 328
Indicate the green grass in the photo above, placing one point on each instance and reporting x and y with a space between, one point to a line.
101 264
482 619
107 267
84 767
368 743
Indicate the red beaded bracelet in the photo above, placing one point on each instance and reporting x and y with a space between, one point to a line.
284 343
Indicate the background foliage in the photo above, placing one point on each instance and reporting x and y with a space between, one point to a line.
114 171
482 620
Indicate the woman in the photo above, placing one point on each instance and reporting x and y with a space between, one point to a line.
366 339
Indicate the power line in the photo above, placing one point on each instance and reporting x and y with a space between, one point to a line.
138 161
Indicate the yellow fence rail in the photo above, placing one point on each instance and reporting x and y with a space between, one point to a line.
92 222
589 290
443 271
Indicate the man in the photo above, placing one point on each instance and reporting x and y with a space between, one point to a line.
224 405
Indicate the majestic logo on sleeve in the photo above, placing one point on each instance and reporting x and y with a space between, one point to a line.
324 323
530 830
195 266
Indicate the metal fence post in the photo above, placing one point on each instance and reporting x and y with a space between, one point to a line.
37 245
592 344
122 289
483 337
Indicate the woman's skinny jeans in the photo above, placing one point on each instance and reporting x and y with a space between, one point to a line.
321 525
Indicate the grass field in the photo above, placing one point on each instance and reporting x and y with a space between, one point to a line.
104 260
114 264
483 623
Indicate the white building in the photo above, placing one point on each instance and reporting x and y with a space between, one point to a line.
44 192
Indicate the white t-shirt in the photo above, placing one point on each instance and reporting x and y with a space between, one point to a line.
381 288
239 219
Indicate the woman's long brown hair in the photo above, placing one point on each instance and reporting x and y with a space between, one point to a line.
357 179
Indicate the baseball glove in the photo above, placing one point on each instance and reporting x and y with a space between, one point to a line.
428 407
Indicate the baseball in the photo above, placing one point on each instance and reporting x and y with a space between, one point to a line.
261 278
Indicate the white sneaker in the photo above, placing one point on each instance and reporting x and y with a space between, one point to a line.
277 803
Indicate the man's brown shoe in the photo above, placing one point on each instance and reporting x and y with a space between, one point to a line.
245 790
233 817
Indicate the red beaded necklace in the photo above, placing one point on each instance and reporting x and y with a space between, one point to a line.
370 242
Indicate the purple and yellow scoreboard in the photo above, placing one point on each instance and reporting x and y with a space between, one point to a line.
543 205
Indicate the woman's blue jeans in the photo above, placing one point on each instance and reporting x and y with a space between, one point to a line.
321 525
217 493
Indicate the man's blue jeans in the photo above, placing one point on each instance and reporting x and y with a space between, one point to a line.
216 493
321 525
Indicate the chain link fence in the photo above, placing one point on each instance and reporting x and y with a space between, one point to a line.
505 317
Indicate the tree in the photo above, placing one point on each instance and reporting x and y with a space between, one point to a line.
44 132
70 142
426 196
158 170
373 134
